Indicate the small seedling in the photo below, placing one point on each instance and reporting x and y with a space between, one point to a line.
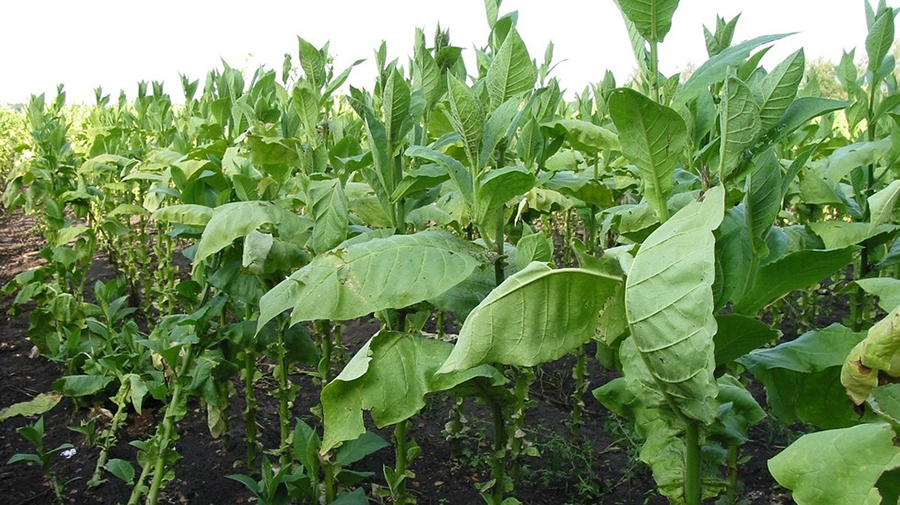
34 433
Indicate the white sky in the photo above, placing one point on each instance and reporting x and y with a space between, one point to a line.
117 43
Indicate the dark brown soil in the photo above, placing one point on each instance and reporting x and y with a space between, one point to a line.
602 469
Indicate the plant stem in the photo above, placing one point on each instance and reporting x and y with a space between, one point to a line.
400 444
284 415
110 438
329 484
250 409
578 373
654 66
692 480
732 473
169 427
498 265
455 427
498 465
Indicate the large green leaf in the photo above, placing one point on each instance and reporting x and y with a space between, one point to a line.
511 72
837 234
36 406
779 88
467 117
737 335
499 186
396 105
584 136
802 111
882 205
329 208
389 376
652 137
837 467
880 38
312 62
739 122
793 271
190 214
763 197
537 315
378 274
652 18
885 288
669 304
714 69
802 377
238 219
461 177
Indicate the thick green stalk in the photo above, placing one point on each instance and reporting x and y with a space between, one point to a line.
400 444
110 438
284 414
330 487
732 474
692 480
501 228
325 342
250 408
498 465
524 377
169 427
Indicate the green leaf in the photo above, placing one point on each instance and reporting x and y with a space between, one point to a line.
839 234
880 38
389 376
352 451
533 247
763 197
802 377
802 110
882 205
511 72
69 233
189 214
582 135
837 467
886 289
496 129
583 186
38 405
652 137
234 220
537 315
499 186
885 401
81 385
652 18
467 117
714 69
793 271
669 305
461 177
395 104
779 88
306 103
354 281
121 469
737 335
740 124
312 62
328 206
